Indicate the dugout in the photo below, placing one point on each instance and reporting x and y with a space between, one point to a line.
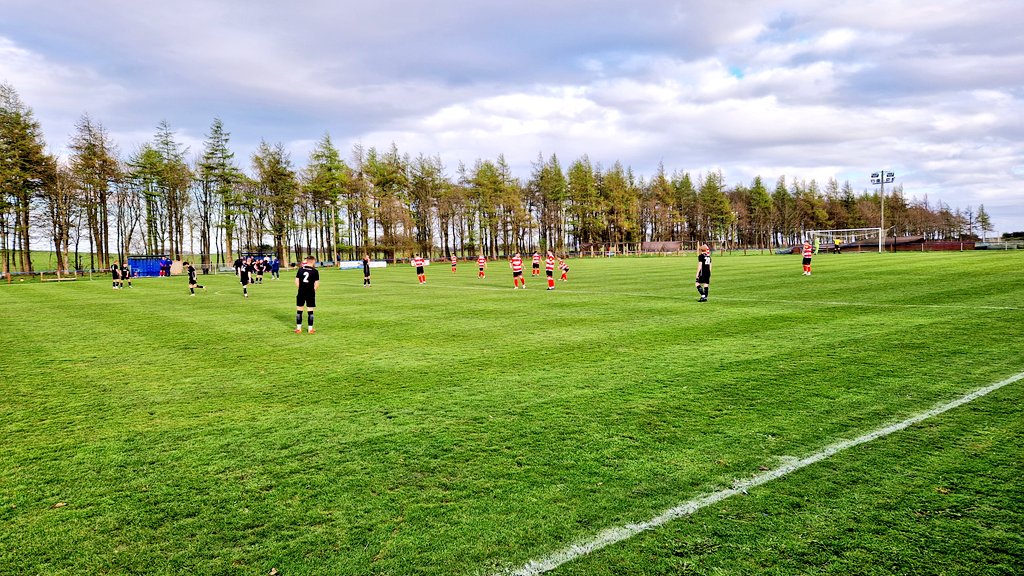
146 265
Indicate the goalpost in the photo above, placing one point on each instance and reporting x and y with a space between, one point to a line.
857 239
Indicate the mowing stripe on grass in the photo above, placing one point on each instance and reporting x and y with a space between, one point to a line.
620 533
870 304
803 303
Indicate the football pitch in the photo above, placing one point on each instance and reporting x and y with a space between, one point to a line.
462 427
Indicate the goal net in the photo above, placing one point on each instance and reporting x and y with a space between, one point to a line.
847 239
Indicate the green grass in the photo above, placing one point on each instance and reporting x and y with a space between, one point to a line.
462 427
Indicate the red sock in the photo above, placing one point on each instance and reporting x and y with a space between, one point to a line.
551 282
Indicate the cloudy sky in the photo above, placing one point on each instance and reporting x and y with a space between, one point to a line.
801 88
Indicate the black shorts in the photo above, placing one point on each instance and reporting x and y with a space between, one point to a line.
246 281
550 273
807 261
517 274
704 279
307 299
419 270
480 268
536 266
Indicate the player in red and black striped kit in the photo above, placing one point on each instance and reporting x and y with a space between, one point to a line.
419 263
481 265
516 263
536 264
808 252
549 270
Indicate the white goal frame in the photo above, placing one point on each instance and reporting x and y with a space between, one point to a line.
828 236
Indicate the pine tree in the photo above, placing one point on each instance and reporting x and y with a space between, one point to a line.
25 169
326 185
175 178
277 190
760 212
984 222
427 184
96 167
219 179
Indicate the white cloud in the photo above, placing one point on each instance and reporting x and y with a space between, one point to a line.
58 93
777 87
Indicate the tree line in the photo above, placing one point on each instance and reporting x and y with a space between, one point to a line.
97 206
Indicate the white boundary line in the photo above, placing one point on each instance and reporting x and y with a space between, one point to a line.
619 533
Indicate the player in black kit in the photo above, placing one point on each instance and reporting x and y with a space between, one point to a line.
245 272
193 283
307 280
703 272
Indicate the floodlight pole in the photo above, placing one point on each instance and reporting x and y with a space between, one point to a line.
882 178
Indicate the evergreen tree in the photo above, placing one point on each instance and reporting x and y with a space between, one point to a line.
783 218
659 207
276 187
144 179
219 179
716 212
619 199
550 188
761 212
427 184
25 169
175 179
686 208
96 168
61 203
389 175
326 185
584 210
984 222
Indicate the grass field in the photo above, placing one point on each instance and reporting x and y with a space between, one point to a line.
464 428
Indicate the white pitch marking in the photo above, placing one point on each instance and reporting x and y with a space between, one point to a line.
619 533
